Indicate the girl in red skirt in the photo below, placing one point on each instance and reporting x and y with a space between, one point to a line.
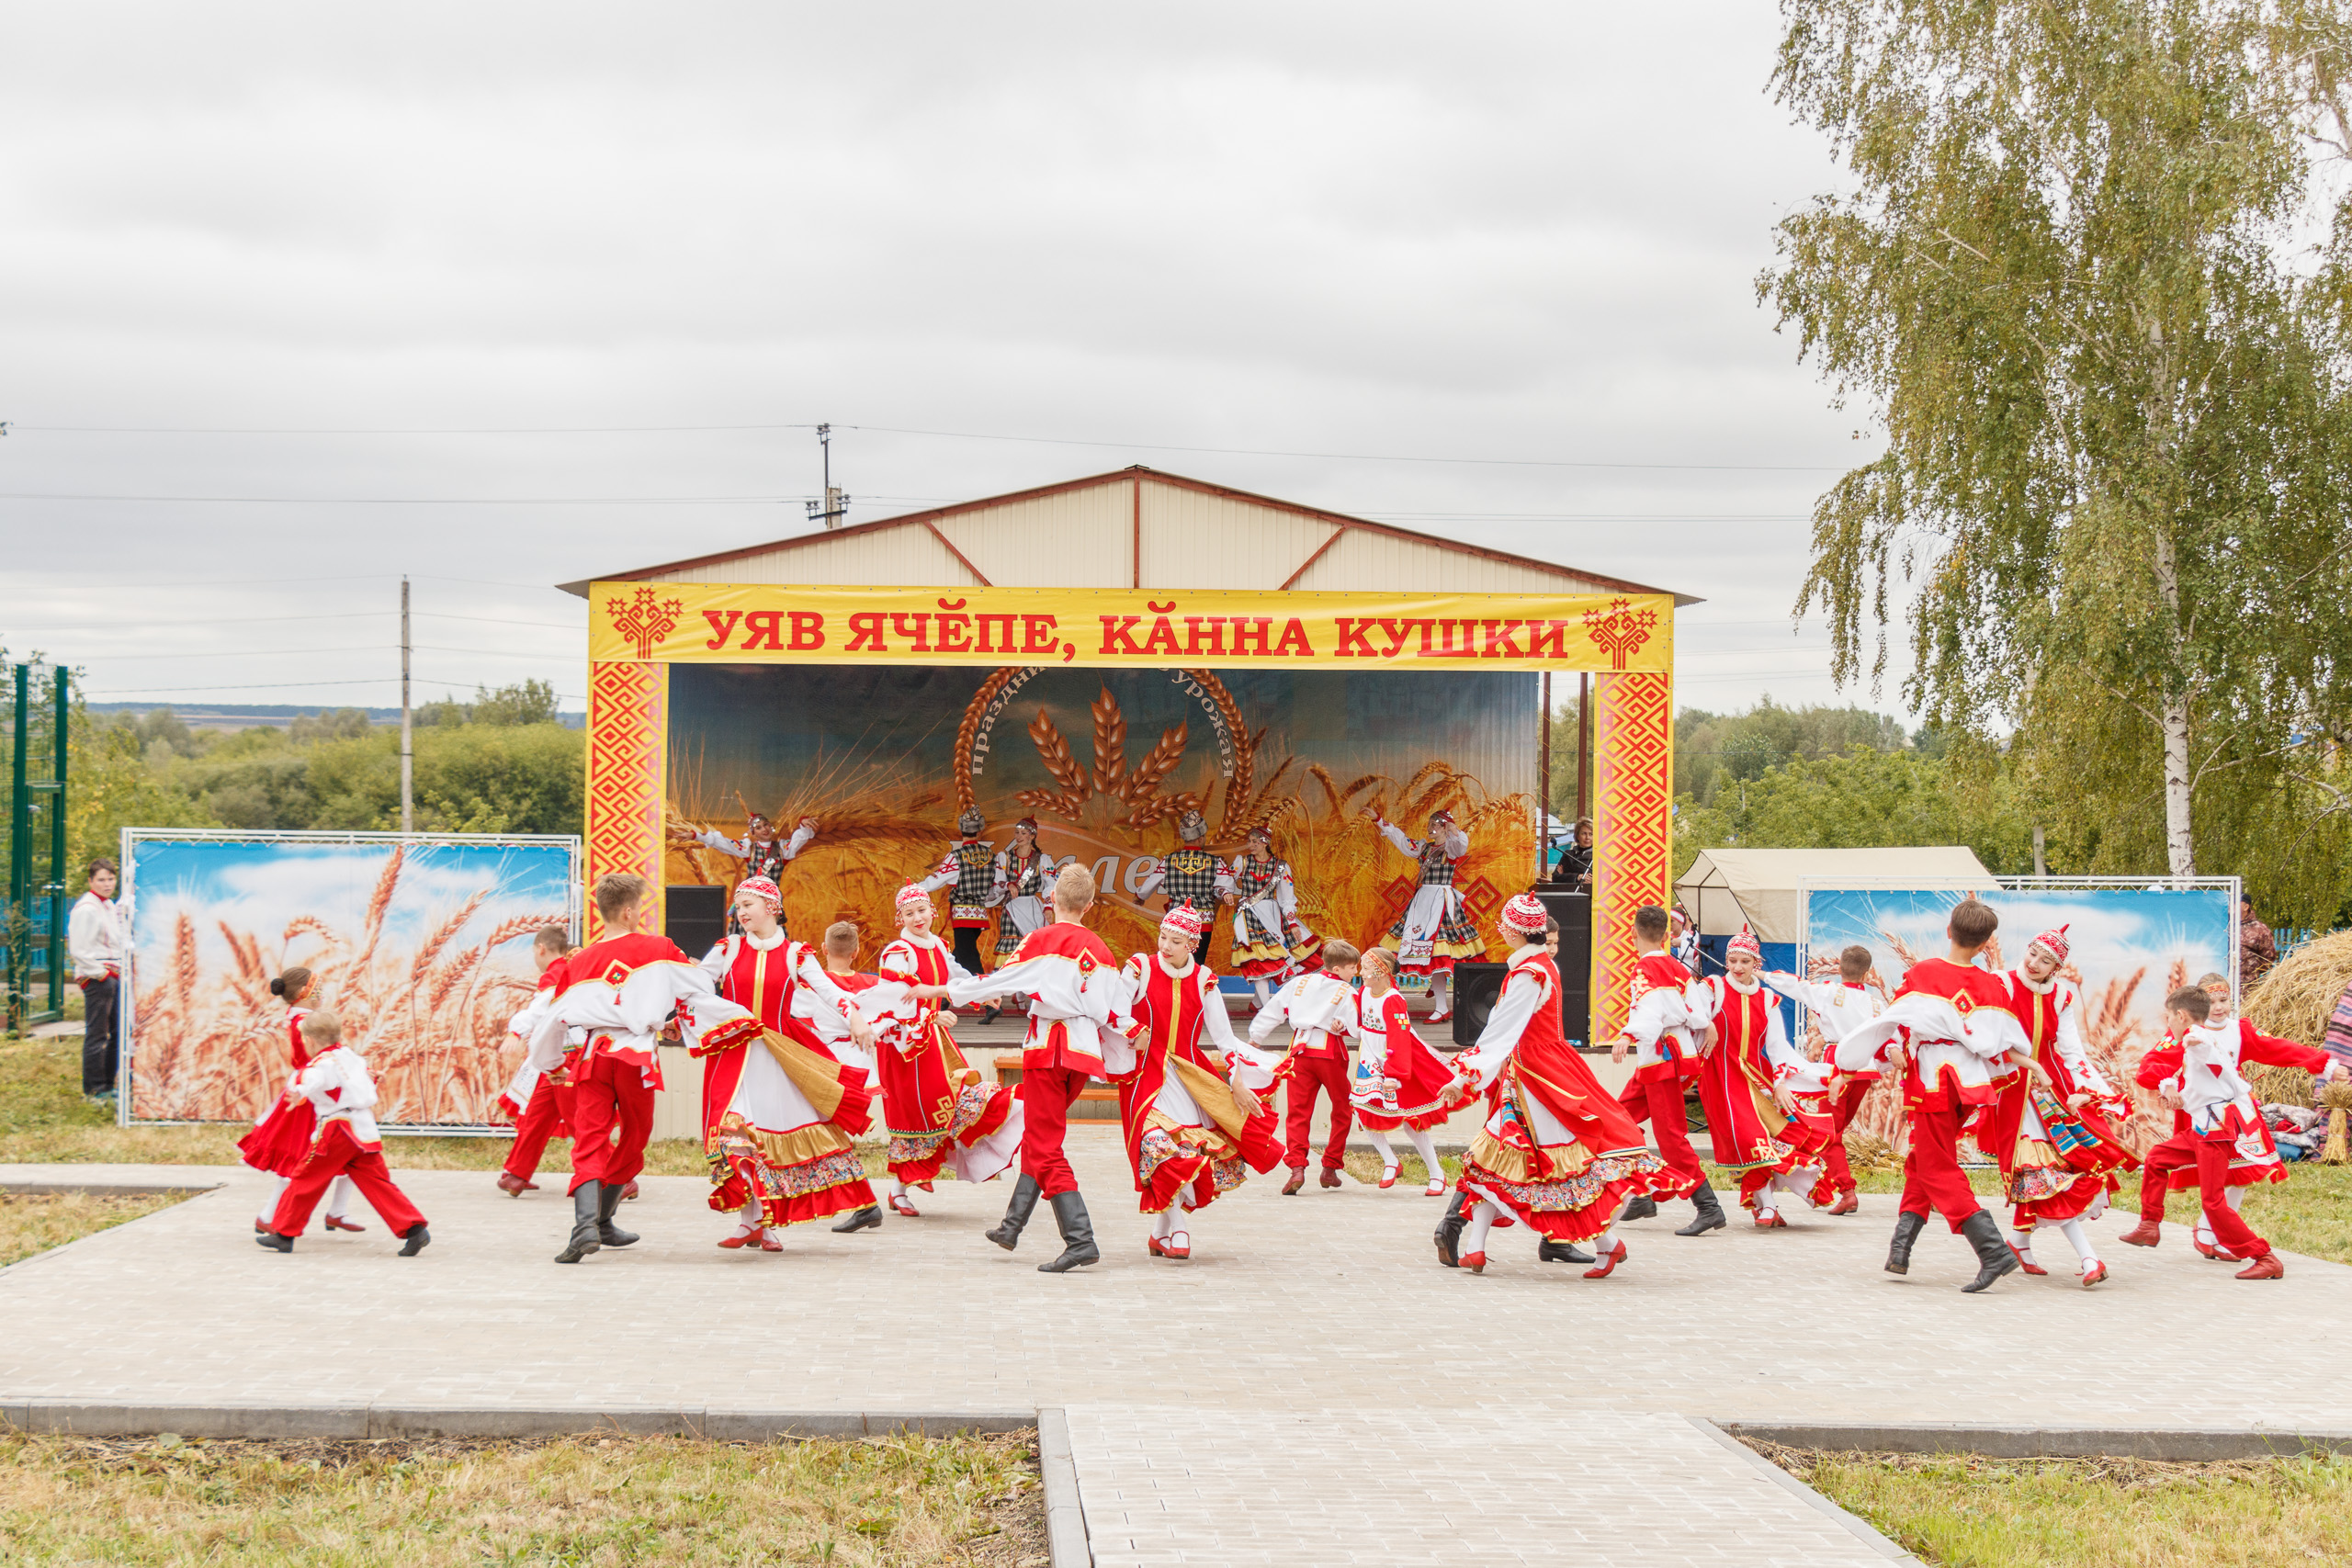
280 1140
1399 1081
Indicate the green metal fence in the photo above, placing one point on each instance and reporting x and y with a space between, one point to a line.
33 921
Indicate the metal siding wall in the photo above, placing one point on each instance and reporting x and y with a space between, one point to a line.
909 556
1190 540
1077 539
1368 562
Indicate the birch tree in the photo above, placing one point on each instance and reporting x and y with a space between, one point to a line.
2089 275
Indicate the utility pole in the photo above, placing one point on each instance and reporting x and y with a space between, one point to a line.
408 756
835 506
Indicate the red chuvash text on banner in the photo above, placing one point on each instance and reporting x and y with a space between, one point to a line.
726 623
1633 829
628 745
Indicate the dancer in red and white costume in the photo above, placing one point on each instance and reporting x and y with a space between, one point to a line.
1189 1107
1949 1032
1666 1021
1074 986
1558 1153
1843 994
1399 1081
779 1109
968 872
1320 1008
280 1142
1747 1074
2057 1147
938 1108
2247 1169
1270 942
1434 930
758 849
335 1084
538 1102
2224 1124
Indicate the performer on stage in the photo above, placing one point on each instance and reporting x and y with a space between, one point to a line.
1073 984
1023 884
1320 1008
1947 1031
2057 1146
970 868
280 1142
757 849
1758 1134
2225 1125
1270 942
1193 1122
1434 930
1839 1007
1664 1024
1558 1153
779 1113
938 1108
335 1085
1191 875
537 1103
1399 1081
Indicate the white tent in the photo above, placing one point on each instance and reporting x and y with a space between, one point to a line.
1765 888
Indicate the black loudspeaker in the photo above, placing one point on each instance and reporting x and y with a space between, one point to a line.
1475 988
695 916
1574 911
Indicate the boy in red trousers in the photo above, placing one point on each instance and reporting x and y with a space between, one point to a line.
336 1083
2224 1121
1663 1028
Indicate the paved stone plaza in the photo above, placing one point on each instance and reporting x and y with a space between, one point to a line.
1309 1388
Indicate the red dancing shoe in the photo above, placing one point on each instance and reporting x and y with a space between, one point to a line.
898 1205
1609 1261
745 1236
1847 1204
1297 1179
1177 1246
1436 1188
337 1222
1440 1016
2025 1260
630 1192
2145 1233
770 1241
1151 1246
1770 1220
1387 1177
2094 1274
1474 1262
2204 1249
1330 1177
2266 1267
512 1185
922 1185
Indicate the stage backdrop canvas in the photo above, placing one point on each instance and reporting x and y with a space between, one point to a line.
885 757
422 946
2128 948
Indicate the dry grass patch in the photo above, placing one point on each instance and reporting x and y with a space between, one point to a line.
1965 1511
32 1224
578 1503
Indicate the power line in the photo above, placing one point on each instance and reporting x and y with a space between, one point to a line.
409 500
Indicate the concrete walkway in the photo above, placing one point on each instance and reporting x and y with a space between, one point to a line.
1309 1388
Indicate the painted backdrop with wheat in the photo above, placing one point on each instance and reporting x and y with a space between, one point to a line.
424 950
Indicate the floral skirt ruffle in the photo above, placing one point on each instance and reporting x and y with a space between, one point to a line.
1196 1165
790 1194
1571 1208
980 1108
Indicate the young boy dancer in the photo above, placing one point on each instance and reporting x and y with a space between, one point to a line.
1840 1007
539 1103
1663 1028
939 1110
335 1084
1945 1032
2246 1170
1399 1081
1558 1151
1073 984
280 1142
1745 1078
1193 1124
969 868
2058 1151
1321 1011
2223 1121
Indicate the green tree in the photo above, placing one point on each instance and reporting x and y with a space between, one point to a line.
1863 799
2114 399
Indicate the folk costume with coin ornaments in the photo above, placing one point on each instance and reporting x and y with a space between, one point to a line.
969 871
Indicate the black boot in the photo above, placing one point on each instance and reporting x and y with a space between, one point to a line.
867 1218
1907 1226
607 1232
413 1239
1007 1233
1993 1257
1078 1235
585 1206
1710 1216
1550 1251
1640 1207
1449 1232
274 1242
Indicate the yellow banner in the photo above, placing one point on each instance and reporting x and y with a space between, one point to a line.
728 623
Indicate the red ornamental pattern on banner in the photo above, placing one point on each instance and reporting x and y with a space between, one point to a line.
628 749
1634 832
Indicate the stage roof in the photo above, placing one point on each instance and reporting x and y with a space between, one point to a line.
1135 528
1764 888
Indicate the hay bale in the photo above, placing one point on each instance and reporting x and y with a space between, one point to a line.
2294 1002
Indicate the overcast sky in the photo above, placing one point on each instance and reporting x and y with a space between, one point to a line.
1523 232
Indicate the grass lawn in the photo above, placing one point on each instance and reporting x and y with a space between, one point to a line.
578 1503
31 1224
1967 1512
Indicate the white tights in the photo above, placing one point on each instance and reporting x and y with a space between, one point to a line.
1437 993
338 1197
1482 1217
1422 1145
1265 989
2076 1238
1794 1183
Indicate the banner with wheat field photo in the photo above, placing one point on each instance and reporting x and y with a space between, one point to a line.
885 758
422 946
2128 949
